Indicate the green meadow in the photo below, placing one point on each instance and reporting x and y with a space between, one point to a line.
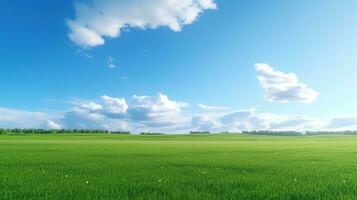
232 166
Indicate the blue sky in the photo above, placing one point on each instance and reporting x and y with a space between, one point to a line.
211 60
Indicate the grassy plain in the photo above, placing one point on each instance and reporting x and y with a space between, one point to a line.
177 167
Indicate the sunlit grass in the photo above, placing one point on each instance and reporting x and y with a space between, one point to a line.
177 167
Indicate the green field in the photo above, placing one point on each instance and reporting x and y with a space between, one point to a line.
177 167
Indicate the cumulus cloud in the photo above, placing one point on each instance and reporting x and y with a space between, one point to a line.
141 113
83 36
91 106
283 87
97 19
204 123
162 114
114 105
156 111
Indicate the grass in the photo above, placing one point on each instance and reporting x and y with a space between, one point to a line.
177 167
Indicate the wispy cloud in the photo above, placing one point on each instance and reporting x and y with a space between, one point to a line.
110 62
211 108
84 54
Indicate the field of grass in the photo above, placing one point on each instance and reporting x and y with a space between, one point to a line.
177 167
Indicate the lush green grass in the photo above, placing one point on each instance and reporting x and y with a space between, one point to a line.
177 167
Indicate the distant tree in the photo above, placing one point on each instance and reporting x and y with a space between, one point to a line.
151 133
312 133
120 132
276 133
199 132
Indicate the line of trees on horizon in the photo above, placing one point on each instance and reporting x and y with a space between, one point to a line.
151 133
199 132
351 132
277 133
101 131
59 131
298 133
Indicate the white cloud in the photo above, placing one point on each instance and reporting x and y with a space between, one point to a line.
156 111
343 123
85 119
96 19
83 36
204 123
294 123
142 113
52 125
162 114
211 108
12 118
114 105
235 121
107 106
91 106
283 87
244 120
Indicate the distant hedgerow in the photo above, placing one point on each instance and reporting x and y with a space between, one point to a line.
151 133
199 132
277 133
59 131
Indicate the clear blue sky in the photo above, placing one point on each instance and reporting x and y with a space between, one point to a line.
210 61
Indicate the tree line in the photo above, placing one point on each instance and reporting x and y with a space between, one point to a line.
100 131
199 132
297 133
277 133
151 133
331 133
60 131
